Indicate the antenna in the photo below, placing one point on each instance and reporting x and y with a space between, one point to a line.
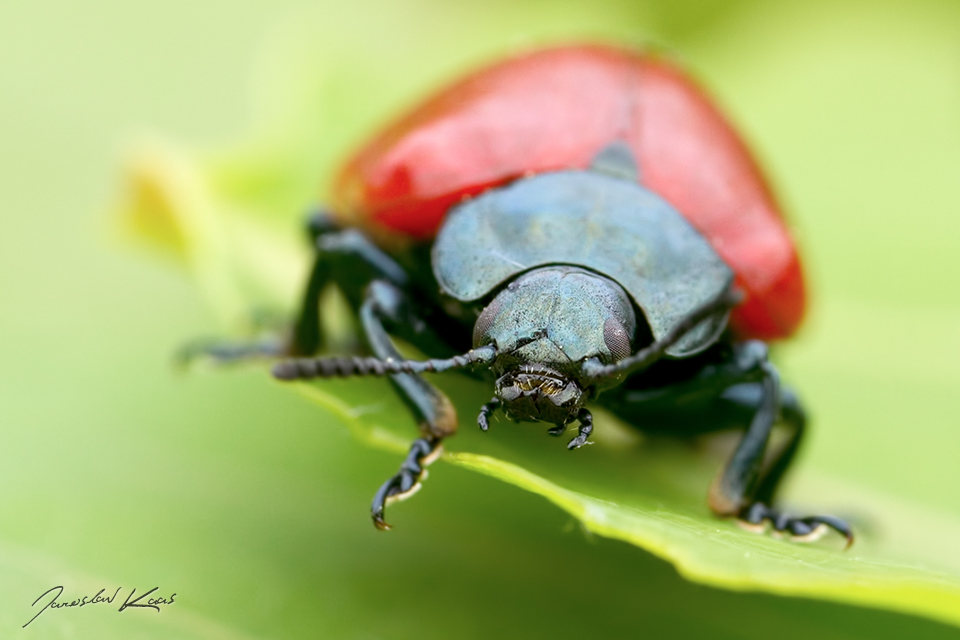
344 367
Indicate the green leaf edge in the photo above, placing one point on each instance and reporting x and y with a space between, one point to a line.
655 532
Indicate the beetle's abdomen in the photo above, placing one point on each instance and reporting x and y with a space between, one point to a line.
556 109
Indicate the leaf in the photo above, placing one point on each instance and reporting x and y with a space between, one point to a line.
26 572
233 218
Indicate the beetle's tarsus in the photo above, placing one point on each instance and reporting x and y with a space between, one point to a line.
379 522
586 428
483 420
406 482
757 516
558 430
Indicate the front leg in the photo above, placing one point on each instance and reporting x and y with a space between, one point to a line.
586 429
385 304
387 307
377 287
739 388
406 482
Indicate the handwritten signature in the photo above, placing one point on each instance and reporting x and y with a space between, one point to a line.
129 603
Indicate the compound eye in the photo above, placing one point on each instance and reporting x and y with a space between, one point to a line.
617 339
484 322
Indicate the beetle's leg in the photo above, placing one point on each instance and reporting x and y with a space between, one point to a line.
793 417
374 284
483 420
739 387
349 259
306 337
739 480
342 256
385 304
755 511
320 222
406 482
744 488
586 428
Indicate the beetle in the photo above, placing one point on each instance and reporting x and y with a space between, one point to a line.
579 224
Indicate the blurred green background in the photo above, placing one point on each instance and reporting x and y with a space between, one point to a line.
228 490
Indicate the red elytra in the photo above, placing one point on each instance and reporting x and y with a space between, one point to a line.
555 109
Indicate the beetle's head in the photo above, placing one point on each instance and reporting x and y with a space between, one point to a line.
544 325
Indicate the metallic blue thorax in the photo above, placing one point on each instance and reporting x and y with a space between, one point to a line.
601 223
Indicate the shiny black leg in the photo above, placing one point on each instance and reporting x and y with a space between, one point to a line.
758 515
483 420
586 428
385 305
348 259
737 387
376 287
406 482
738 482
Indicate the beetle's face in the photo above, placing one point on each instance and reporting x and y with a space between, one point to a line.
545 324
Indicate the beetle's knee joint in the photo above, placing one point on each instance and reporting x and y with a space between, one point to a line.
752 354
